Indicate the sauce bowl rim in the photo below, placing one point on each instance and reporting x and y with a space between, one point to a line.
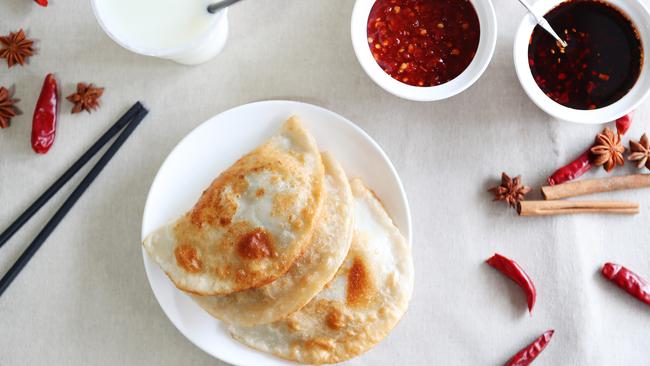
640 18
487 43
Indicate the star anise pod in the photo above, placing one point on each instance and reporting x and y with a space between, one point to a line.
8 109
86 98
16 48
510 190
640 152
608 150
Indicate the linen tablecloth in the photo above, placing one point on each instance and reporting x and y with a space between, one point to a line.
84 298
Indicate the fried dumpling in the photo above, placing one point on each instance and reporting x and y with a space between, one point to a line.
308 274
357 309
251 223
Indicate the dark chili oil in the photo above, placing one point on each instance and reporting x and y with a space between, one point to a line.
601 62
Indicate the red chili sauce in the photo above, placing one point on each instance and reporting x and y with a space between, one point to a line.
601 62
423 42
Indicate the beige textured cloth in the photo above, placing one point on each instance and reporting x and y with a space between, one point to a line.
84 298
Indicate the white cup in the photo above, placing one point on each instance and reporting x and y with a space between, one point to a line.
196 51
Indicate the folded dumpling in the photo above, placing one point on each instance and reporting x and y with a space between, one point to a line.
308 274
251 223
359 307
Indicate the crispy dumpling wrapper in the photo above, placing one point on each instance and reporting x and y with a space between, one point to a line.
251 223
359 307
309 273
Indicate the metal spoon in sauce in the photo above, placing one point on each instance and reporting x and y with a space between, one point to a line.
213 8
543 22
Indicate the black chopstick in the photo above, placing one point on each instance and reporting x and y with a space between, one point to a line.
65 177
33 247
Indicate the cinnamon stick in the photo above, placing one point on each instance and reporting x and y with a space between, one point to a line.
545 208
588 186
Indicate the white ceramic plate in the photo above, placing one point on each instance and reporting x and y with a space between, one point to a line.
213 147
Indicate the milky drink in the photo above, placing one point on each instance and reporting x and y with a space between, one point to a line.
180 30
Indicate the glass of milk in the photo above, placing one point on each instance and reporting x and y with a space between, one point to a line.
178 30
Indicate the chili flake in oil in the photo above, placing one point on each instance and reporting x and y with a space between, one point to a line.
601 63
423 42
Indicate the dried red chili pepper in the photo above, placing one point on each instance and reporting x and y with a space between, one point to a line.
573 170
514 271
583 163
41 2
527 355
628 280
44 122
623 124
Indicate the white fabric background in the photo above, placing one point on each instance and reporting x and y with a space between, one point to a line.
84 298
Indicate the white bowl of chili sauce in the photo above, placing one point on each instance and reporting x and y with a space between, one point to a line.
600 76
424 50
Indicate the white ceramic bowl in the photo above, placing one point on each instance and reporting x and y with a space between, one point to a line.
639 15
195 52
488 24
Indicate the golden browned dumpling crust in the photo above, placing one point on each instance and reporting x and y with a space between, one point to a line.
359 307
308 274
251 223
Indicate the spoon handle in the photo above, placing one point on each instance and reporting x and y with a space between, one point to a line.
538 17
213 8
543 22
547 26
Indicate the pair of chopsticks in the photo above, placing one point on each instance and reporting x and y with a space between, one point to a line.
127 124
